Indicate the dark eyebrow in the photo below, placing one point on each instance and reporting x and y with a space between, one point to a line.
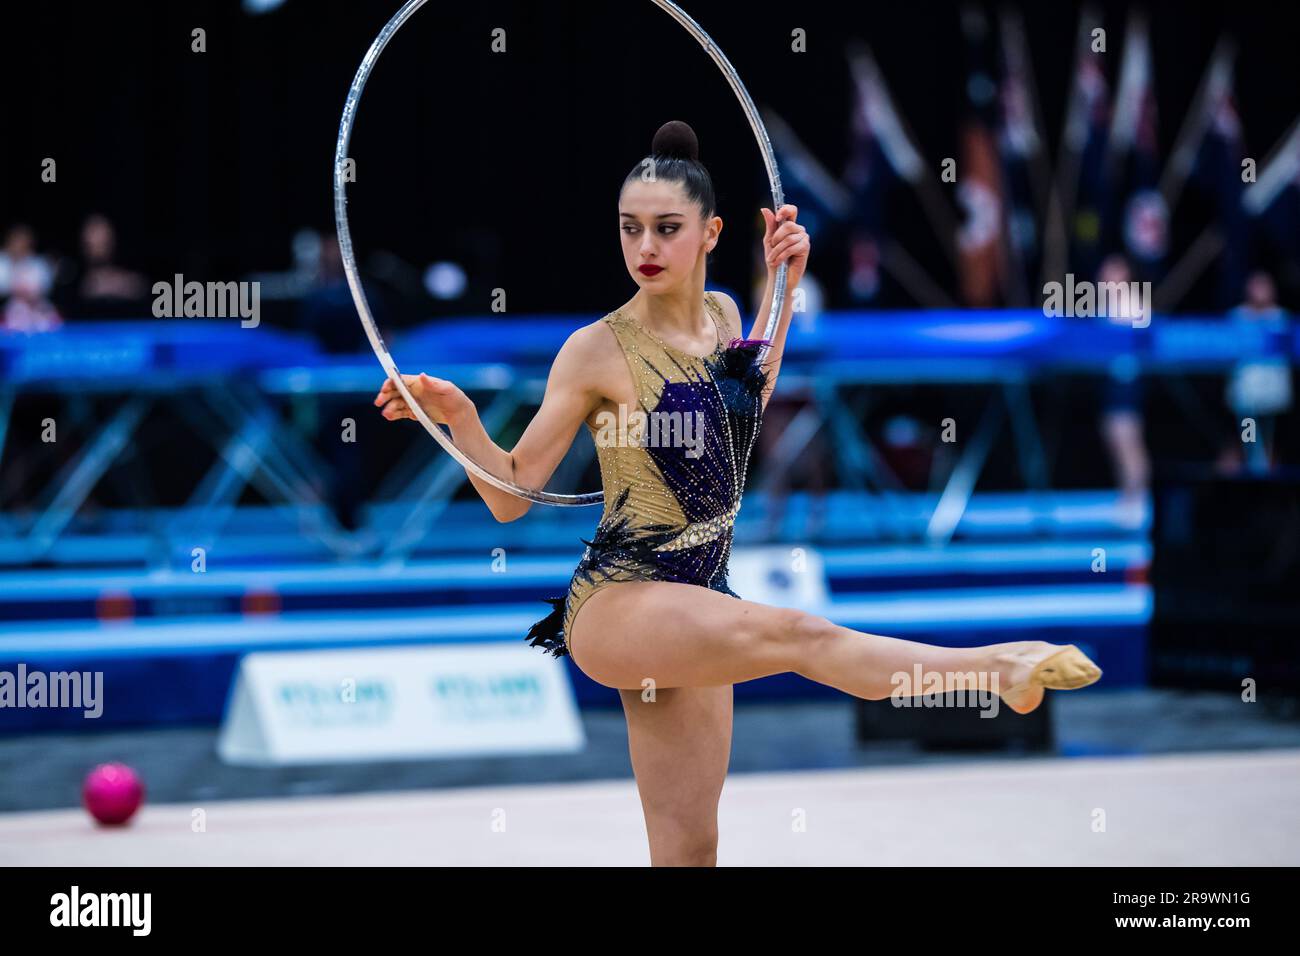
660 216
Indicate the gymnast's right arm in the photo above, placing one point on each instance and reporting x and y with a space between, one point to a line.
572 393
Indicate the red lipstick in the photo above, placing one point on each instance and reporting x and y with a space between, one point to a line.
649 270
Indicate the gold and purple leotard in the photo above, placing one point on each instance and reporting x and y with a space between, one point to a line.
673 475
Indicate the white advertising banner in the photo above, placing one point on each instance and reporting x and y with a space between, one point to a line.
380 703
791 575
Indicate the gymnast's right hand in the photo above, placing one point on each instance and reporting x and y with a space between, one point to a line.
441 400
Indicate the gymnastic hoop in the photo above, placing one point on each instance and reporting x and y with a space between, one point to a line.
354 280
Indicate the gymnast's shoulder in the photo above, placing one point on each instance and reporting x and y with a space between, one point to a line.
588 349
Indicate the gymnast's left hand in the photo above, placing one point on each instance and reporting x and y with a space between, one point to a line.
785 241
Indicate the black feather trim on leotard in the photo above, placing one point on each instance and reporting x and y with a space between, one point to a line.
738 373
549 631
616 544
616 551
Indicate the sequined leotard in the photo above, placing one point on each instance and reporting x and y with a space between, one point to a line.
673 478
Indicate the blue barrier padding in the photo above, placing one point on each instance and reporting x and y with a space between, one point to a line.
71 595
177 689
1026 339
125 350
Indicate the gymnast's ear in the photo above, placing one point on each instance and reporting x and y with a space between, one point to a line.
714 224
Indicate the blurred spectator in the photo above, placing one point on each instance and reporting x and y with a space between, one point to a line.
327 311
19 252
296 281
1259 388
329 315
27 309
96 283
1261 301
103 277
1121 417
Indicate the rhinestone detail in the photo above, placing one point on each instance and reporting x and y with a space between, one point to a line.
702 532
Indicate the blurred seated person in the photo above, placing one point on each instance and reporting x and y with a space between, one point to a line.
97 286
18 252
328 314
1258 388
1261 302
327 311
27 309
293 283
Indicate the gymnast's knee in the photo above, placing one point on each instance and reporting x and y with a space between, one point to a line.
796 633
682 843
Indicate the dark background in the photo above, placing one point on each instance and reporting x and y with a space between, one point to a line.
510 164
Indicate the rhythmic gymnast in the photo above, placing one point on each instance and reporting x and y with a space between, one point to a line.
658 621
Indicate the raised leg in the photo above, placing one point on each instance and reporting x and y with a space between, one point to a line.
660 634
674 650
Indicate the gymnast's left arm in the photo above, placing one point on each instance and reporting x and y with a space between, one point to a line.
784 241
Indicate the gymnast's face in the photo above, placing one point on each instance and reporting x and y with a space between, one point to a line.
662 227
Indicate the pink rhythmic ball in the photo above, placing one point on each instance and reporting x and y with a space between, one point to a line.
112 793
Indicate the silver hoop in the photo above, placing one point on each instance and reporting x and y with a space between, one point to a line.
354 280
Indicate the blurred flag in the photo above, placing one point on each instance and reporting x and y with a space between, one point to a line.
1273 200
866 173
881 151
879 119
822 199
1134 156
1217 168
1214 85
1023 160
1085 138
981 239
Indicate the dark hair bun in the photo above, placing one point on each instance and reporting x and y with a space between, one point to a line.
677 140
